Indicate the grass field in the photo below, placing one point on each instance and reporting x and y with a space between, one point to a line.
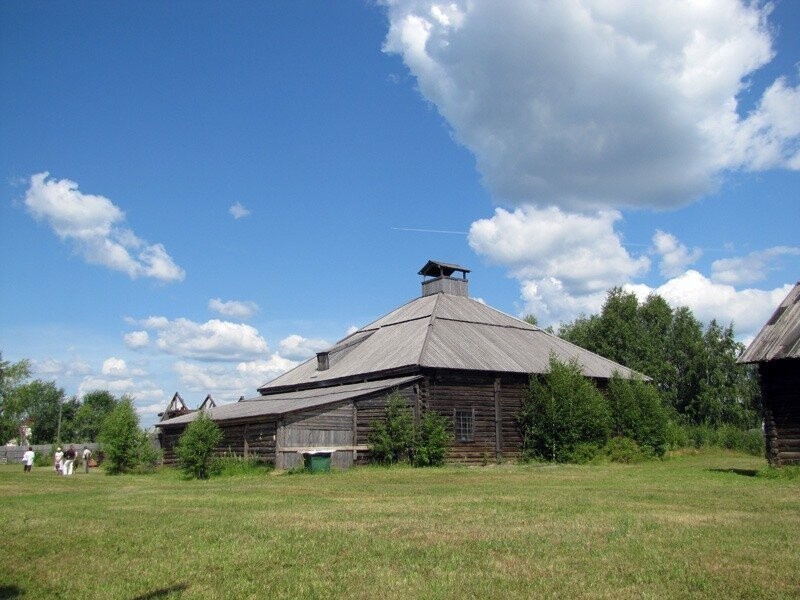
699 526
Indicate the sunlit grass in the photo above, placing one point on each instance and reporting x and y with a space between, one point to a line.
698 526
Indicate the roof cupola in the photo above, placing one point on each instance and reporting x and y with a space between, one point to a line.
442 279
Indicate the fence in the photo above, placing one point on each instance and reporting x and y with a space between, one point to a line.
13 454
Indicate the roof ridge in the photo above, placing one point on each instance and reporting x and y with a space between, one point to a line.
430 325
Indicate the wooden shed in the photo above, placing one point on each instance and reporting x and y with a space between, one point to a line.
442 351
776 351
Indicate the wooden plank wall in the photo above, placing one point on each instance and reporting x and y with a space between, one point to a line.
780 392
488 395
370 410
316 427
242 438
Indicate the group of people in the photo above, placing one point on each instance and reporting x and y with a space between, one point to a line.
64 462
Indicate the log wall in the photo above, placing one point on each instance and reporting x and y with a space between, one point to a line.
495 401
249 439
780 393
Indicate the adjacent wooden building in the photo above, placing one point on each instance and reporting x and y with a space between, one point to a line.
776 351
442 351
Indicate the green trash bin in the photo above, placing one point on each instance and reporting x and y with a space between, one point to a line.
317 462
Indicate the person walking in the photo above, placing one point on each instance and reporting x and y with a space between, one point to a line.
58 461
69 460
87 454
27 460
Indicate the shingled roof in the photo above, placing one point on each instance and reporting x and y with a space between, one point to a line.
780 337
440 331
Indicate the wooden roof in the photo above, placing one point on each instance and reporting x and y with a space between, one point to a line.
435 268
780 337
287 402
443 331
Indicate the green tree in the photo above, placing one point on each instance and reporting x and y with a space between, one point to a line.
40 404
12 375
89 417
125 445
694 371
563 409
196 446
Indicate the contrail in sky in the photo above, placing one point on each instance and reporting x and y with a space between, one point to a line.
429 230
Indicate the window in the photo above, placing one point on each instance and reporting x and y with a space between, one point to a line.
464 424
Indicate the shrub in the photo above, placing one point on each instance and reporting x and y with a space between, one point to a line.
676 435
637 413
196 445
43 459
624 450
432 440
125 446
562 409
398 439
392 441
583 453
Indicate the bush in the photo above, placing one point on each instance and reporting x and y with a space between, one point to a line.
398 439
676 436
432 441
392 441
125 446
43 459
624 450
196 445
637 413
562 409
583 453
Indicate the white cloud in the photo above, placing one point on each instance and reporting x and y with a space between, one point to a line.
551 303
115 367
155 322
238 211
48 366
226 383
583 253
233 308
751 268
137 339
213 340
296 347
675 256
594 104
748 309
92 224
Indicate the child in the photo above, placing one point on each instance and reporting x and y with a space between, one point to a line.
58 457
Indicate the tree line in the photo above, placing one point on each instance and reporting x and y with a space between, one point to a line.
693 367
46 409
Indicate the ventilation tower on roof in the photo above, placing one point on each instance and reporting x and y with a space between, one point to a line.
442 280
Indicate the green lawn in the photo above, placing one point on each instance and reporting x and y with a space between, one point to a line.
692 526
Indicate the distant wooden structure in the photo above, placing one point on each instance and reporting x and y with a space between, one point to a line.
776 351
176 408
207 403
442 352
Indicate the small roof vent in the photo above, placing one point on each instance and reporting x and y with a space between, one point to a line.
442 281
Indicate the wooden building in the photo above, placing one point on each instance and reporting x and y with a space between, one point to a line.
442 351
776 351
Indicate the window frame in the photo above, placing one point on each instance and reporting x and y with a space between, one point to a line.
464 424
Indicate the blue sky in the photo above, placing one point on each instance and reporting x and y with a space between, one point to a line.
196 195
